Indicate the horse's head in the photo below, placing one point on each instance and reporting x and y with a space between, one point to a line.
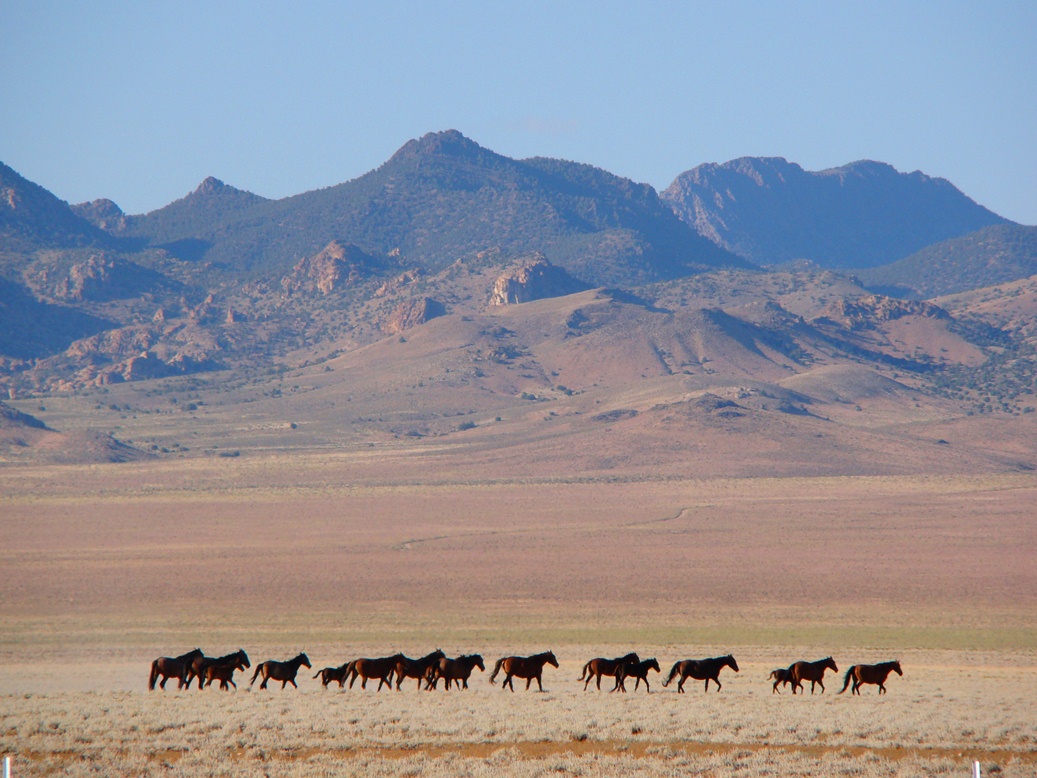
477 662
243 659
195 654
651 664
437 655
549 657
830 663
304 660
730 662
896 667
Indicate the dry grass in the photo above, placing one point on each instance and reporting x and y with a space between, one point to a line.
104 568
934 721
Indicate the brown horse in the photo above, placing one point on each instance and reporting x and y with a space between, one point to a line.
638 670
877 674
810 671
329 674
700 669
528 667
381 668
780 676
600 666
416 668
201 664
284 672
224 672
172 667
456 671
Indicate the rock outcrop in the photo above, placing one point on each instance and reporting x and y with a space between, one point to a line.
534 279
336 266
411 313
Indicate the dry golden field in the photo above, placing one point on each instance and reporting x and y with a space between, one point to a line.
345 555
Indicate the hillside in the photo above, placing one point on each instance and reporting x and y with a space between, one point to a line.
535 312
990 256
440 198
859 215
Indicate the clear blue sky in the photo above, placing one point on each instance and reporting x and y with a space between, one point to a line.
139 101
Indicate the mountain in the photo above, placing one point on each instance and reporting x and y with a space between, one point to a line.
440 198
31 217
859 215
990 256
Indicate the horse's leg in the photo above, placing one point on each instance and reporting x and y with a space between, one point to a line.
821 683
528 682
680 684
540 683
647 687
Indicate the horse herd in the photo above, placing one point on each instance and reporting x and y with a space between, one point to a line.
430 669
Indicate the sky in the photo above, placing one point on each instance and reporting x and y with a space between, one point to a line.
140 101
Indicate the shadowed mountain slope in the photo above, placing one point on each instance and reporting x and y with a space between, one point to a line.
990 256
858 215
440 198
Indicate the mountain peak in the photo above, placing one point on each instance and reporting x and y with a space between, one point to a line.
210 185
447 143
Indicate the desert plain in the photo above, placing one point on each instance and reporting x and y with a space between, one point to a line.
365 553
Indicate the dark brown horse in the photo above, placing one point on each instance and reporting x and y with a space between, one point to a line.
780 676
528 667
638 670
877 674
456 671
199 666
416 668
224 672
381 668
810 671
284 672
600 666
172 667
329 674
700 669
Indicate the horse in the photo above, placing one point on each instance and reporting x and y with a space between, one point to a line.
810 671
528 667
638 670
284 672
600 666
224 672
201 664
416 668
172 667
780 676
456 671
329 674
699 669
382 669
877 674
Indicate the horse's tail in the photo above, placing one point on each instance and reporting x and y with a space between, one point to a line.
673 673
846 679
496 668
586 669
255 675
154 676
318 674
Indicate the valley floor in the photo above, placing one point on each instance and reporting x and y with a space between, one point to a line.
103 568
